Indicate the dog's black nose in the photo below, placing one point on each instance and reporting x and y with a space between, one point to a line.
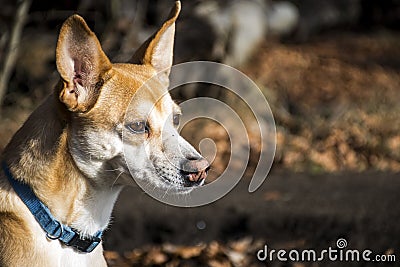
195 170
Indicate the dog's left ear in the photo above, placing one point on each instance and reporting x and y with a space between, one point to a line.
157 51
81 63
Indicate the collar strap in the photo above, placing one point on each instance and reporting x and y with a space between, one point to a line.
53 228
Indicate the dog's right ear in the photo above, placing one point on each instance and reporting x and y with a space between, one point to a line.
157 51
81 63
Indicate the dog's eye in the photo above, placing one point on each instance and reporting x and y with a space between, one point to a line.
138 127
176 119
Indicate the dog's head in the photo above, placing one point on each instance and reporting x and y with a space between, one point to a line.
122 115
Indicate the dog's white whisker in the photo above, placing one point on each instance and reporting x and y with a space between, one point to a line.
115 181
112 170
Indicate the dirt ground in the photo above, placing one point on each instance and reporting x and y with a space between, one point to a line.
289 211
335 100
336 172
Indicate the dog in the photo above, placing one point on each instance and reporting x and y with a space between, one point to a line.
64 168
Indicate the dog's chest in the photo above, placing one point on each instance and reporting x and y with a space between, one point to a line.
95 213
68 257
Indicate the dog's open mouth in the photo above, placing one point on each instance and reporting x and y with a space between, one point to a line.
179 179
193 179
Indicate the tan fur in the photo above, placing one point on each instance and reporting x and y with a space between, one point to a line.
69 150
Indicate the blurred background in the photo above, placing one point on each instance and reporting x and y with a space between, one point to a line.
330 70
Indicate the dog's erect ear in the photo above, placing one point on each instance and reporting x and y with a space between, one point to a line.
81 63
158 49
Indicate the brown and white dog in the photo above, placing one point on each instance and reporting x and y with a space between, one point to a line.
69 152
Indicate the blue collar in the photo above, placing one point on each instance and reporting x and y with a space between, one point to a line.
53 228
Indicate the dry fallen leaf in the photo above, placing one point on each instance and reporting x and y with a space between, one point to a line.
219 263
241 245
238 259
185 252
272 195
155 256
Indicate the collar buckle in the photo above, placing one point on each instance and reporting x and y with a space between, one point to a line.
84 244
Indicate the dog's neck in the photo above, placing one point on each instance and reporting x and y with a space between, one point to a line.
38 155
